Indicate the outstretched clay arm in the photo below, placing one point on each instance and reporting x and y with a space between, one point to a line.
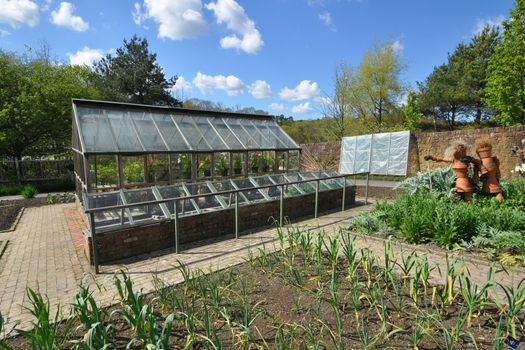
439 159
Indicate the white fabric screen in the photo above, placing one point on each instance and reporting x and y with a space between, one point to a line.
379 154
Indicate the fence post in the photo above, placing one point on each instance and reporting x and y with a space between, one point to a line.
236 215
93 242
281 200
18 172
344 194
316 197
176 225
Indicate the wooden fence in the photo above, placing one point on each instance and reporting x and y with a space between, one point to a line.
35 170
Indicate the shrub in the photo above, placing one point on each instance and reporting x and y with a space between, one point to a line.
10 189
443 181
29 191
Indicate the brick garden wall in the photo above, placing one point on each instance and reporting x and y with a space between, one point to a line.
435 143
132 241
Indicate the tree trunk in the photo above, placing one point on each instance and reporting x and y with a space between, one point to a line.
477 121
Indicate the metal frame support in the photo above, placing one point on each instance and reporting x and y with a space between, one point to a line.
176 225
366 188
236 215
93 242
344 194
281 206
316 196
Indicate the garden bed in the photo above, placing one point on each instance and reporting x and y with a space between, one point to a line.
9 215
314 292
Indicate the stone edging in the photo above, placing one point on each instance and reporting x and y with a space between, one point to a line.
13 226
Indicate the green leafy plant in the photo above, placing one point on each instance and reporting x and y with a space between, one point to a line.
29 191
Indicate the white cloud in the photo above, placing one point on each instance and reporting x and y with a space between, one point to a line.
482 23
326 19
230 84
182 84
85 56
63 16
302 108
279 107
231 13
138 14
19 12
398 47
181 19
304 91
4 33
260 89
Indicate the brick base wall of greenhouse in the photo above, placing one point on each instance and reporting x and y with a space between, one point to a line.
136 240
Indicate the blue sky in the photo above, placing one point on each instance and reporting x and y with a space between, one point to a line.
277 55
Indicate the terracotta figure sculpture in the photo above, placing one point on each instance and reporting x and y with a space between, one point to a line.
490 173
456 154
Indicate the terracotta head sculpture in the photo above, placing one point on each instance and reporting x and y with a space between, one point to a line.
490 173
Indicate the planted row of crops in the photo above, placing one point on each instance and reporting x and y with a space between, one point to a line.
316 291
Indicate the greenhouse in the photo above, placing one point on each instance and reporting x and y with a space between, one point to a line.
152 177
120 145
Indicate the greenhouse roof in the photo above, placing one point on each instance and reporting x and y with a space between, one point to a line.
110 127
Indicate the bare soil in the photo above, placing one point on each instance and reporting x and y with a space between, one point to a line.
8 215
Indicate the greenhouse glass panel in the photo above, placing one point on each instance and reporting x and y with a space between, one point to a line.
124 131
170 132
283 137
306 187
204 203
158 168
132 169
108 218
96 131
144 212
177 191
209 135
228 199
243 135
192 134
313 176
269 192
289 190
251 192
227 135
272 141
147 131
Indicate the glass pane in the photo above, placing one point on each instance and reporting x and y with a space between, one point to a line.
306 187
176 191
293 160
242 135
144 212
254 132
133 169
311 175
281 135
209 135
148 132
272 192
255 162
203 166
191 133
205 203
229 199
181 167
108 218
281 161
222 164
103 171
267 162
95 130
271 141
169 131
125 134
226 134
239 164
158 168
251 193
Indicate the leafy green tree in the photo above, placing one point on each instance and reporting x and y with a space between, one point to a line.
133 75
376 87
506 70
338 105
411 112
35 103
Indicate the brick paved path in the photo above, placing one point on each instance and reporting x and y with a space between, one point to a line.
44 254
